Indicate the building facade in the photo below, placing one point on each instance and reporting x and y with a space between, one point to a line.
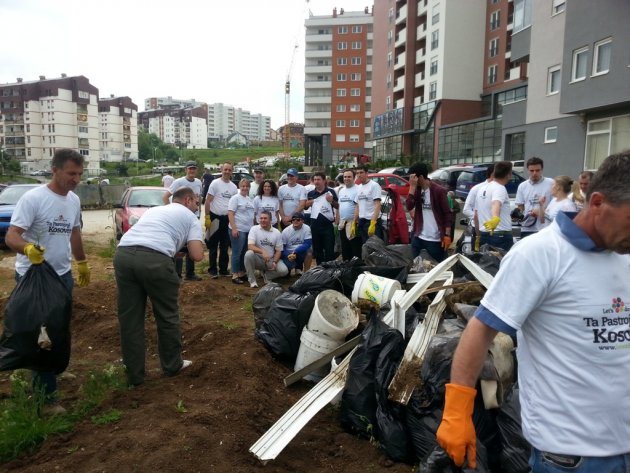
37 117
338 86
118 129
223 120
181 127
153 103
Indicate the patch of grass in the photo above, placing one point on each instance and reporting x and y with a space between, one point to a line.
72 449
229 326
108 251
248 307
179 407
109 417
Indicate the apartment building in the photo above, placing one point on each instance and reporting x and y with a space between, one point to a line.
37 117
181 127
118 129
338 85
153 103
223 120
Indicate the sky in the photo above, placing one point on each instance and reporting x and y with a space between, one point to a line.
238 52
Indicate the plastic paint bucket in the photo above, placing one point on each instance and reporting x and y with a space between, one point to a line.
376 289
312 347
333 315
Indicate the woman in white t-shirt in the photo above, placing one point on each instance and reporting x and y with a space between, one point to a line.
267 199
241 217
560 202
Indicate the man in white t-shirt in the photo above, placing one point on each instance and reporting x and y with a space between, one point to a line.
493 209
528 196
579 196
46 224
264 251
350 244
573 333
297 241
144 266
167 179
469 205
189 180
216 221
367 213
322 201
292 197
259 177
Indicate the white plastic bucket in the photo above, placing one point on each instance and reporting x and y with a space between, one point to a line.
312 347
333 315
376 289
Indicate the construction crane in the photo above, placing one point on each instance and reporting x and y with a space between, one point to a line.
287 107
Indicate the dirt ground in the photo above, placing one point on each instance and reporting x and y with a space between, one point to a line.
232 394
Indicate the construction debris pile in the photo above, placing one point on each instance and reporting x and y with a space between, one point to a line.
391 363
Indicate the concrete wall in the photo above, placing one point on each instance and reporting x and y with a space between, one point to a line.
95 196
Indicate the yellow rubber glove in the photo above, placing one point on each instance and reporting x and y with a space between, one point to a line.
477 243
446 242
84 273
353 230
207 222
34 253
279 226
492 224
372 228
456 433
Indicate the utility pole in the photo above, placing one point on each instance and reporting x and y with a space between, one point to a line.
287 108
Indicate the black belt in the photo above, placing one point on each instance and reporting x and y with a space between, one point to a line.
144 248
505 233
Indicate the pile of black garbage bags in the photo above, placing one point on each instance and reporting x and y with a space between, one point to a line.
405 433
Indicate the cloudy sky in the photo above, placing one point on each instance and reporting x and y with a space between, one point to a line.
237 52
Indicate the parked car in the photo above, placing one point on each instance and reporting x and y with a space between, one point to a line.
304 178
134 202
473 175
391 181
8 199
447 176
519 166
236 177
401 171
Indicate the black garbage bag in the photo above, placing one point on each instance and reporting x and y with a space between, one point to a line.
487 259
515 449
39 300
280 331
376 253
337 275
438 461
422 423
263 299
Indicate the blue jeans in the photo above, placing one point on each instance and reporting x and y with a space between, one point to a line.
434 248
543 462
364 226
239 247
47 380
503 240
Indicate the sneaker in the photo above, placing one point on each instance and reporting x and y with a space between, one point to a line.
53 410
225 273
253 284
194 277
237 281
213 273
185 364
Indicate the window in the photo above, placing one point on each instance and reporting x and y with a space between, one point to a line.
355 107
492 74
83 129
390 38
579 67
356 61
495 20
354 138
340 123
83 95
557 6
354 123
494 47
432 90
601 57
522 14
342 30
434 66
389 59
389 81
341 108
435 39
356 45
390 15
436 15
355 92
340 138
553 80
355 76
341 92
341 76
605 137
357 29
84 152
342 45
342 61
551 134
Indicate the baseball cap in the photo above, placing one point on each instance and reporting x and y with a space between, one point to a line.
292 172
191 164
297 215
258 170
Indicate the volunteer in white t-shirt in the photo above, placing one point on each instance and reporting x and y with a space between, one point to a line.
579 189
167 179
241 216
560 202
367 213
297 241
528 196
144 266
216 221
322 201
292 197
493 209
350 244
267 199
264 251
189 180
259 177
572 320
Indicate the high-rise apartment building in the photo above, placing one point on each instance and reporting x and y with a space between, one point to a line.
37 117
153 103
118 129
181 127
223 120
338 86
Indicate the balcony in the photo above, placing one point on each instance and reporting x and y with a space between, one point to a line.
401 14
401 37
420 79
400 84
421 31
318 38
318 99
400 61
317 84
316 115
420 56
84 143
513 74
318 53
317 69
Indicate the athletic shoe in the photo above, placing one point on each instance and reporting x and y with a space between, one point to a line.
194 277
213 273
185 364
253 284
237 281
225 273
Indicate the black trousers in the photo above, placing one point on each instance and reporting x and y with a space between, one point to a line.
218 244
350 248
323 239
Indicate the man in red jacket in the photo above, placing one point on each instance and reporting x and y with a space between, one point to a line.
432 218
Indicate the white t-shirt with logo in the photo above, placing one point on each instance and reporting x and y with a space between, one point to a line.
483 205
292 238
366 195
555 206
321 206
182 182
167 180
48 219
243 208
290 197
166 229
573 342
269 241
347 196
430 230
528 194
221 193
268 203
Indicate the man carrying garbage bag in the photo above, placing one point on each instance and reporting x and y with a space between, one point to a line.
46 224
573 336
